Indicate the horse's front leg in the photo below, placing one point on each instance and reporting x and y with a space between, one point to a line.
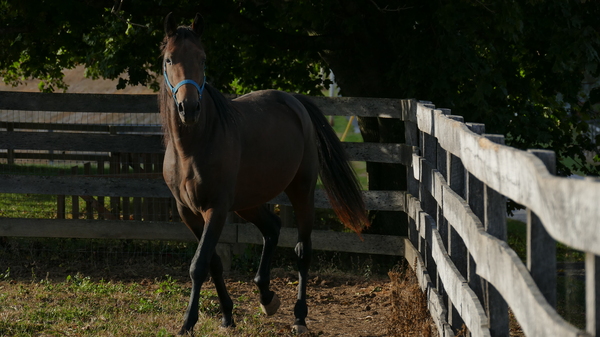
201 264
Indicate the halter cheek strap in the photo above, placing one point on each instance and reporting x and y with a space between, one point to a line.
174 89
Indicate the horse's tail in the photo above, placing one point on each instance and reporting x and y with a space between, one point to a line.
341 184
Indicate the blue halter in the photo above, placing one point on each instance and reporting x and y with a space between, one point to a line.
180 84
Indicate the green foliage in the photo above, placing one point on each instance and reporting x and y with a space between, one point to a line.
515 66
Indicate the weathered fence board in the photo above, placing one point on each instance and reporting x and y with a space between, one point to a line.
156 188
455 284
80 185
362 107
374 200
495 260
524 178
379 152
82 127
177 231
330 240
78 102
499 265
338 106
88 142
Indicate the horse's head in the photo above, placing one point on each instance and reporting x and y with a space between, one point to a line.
183 67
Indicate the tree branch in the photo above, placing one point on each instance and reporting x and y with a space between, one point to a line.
14 30
388 9
286 40
116 12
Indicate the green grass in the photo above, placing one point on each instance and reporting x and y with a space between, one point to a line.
360 167
29 205
79 306
44 292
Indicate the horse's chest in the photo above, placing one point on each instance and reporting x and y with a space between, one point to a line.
199 188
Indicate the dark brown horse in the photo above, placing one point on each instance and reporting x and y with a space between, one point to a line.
223 156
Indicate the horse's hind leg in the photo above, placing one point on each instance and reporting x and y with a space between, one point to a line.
269 225
301 195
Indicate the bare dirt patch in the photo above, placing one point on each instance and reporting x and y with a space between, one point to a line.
339 305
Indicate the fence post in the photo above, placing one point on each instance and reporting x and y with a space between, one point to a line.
60 201
74 199
429 146
411 133
101 198
474 197
442 223
10 155
495 224
286 214
114 169
149 203
592 293
125 200
456 246
442 167
89 210
541 247
137 201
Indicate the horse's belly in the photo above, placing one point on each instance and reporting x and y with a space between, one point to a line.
262 183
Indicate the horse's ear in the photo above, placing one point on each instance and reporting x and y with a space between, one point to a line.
198 25
170 25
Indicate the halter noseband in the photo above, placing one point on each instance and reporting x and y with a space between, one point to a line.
174 89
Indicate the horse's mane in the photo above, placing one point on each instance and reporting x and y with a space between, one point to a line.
224 111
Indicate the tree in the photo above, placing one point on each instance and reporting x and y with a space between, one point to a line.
515 66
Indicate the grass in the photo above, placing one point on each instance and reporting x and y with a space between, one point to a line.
360 167
44 292
79 306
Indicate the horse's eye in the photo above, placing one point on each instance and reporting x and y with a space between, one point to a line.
168 61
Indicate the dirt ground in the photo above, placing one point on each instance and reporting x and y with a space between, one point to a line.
338 305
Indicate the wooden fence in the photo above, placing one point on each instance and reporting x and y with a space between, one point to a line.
458 184
135 192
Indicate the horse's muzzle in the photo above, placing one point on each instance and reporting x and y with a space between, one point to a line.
189 111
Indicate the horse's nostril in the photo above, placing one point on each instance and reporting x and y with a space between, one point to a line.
180 107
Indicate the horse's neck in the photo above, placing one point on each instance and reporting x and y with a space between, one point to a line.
187 140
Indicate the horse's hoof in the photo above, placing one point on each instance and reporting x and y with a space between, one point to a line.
299 329
185 332
226 324
271 308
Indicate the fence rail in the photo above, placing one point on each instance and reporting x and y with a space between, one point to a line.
458 182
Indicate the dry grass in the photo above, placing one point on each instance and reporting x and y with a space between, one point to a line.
408 315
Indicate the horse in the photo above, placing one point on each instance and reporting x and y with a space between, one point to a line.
236 155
